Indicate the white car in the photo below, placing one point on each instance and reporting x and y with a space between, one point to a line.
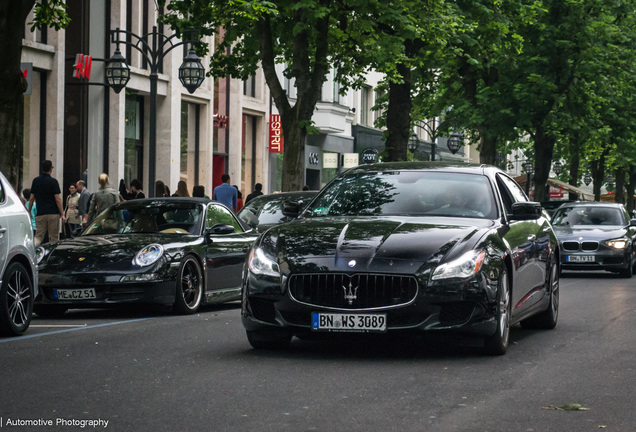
18 270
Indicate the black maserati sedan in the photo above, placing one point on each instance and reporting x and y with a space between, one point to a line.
596 236
178 252
406 246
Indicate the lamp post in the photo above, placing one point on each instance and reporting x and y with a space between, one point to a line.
433 129
587 179
413 144
557 167
609 179
191 75
528 166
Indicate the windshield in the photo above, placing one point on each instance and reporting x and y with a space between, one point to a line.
590 215
154 217
410 193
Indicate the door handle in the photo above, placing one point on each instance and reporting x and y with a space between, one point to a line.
532 237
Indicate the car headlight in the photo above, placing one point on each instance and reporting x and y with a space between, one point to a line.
260 264
463 267
617 244
39 254
148 255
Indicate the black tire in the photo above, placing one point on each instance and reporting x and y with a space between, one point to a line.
269 340
189 290
16 300
547 320
629 271
497 344
49 311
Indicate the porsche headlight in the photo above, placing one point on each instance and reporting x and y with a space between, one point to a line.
617 244
260 264
463 267
148 255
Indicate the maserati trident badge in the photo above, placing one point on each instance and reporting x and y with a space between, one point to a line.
351 294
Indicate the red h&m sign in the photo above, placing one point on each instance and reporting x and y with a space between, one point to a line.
82 66
275 134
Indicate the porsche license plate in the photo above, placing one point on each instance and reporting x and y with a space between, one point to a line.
579 258
74 294
348 322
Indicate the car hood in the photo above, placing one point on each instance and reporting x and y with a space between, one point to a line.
587 232
387 244
104 253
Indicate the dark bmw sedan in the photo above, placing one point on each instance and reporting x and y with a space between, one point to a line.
399 247
178 252
596 236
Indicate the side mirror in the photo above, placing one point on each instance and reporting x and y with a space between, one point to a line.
291 208
525 211
222 229
632 222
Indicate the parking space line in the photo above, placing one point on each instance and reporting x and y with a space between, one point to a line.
73 329
58 325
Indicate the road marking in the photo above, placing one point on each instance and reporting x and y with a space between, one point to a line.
58 325
73 329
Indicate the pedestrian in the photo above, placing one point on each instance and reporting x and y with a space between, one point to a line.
257 192
239 199
198 192
26 194
226 193
71 212
305 188
167 191
136 190
103 198
182 190
45 191
123 191
84 201
160 189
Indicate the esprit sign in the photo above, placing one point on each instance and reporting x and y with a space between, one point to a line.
82 66
275 134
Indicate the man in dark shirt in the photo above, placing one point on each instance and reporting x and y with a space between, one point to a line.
257 192
136 190
85 199
45 192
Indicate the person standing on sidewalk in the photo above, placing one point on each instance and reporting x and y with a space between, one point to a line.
45 191
84 200
71 212
226 193
103 198
257 192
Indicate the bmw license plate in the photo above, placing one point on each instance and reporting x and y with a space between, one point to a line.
74 294
348 322
579 258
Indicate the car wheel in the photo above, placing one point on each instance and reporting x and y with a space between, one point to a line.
16 300
629 271
497 344
547 320
189 287
49 311
269 339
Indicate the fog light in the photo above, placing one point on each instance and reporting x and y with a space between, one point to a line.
146 277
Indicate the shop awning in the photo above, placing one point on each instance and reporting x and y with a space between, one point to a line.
583 195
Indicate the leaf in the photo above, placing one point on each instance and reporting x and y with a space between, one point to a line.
567 407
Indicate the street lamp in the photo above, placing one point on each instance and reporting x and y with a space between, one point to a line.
528 166
587 179
433 129
191 75
454 142
414 143
557 167
609 179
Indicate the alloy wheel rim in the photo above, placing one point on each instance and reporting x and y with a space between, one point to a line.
504 320
555 291
18 298
191 285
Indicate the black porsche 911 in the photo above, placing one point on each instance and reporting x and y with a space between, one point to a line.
407 246
179 252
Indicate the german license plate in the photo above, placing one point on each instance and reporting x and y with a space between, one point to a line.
579 258
348 322
74 294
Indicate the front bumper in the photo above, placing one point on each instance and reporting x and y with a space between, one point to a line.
460 306
606 259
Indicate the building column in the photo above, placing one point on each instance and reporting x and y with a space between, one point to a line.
55 106
236 131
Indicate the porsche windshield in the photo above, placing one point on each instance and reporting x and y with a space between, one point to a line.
155 217
409 193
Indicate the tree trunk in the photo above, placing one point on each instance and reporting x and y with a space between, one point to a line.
543 148
619 195
12 85
598 173
575 163
631 187
398 116
487 148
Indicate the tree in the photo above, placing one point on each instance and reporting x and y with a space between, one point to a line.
13 15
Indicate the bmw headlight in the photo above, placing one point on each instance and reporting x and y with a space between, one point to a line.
260 264
463 267
148 255
617 244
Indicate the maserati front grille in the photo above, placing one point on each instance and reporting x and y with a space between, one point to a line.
358 291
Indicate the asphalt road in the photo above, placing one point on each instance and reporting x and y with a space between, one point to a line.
142 370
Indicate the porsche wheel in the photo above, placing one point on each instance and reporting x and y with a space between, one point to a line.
16 300
189 287
547 320
497 344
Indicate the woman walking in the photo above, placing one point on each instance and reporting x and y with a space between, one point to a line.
71 211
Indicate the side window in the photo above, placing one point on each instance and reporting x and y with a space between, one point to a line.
517 193
219 215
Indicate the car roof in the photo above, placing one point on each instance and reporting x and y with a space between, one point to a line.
446 166
592 203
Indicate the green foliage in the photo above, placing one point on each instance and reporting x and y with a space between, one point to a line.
50 13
